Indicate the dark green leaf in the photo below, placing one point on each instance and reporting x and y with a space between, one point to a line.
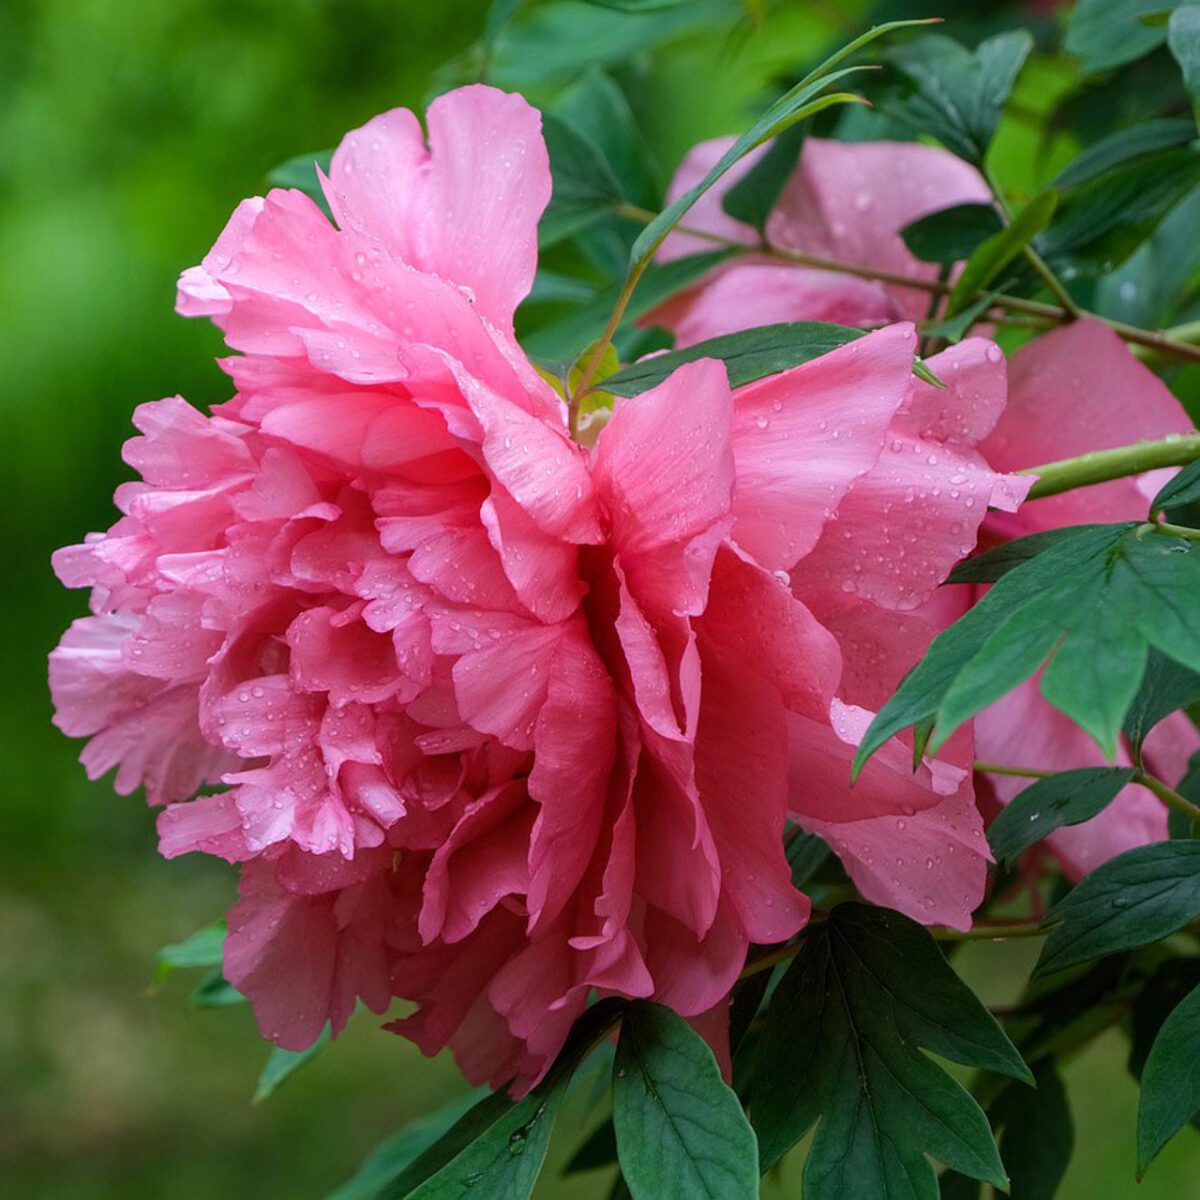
1110 33
390 1157
799 102
951 234
1158 997
806 853
1094 601
562 341
1124 145
953 1186
1037 1134
1002 639
282 1064
996 563
585 188
1170 1081
959 94
553 43
843 1044
499 1145
596 108
301 173
753 196
599 1150
214 991
1064 799
1100 223
499 13
1166 687
202 949
1182 489
681 1132
748 355
954 329
1136 898
996 252
1183 36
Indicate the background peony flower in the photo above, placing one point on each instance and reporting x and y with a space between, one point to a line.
1073 390
504 721
844 200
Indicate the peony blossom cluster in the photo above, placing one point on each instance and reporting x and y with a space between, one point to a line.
492 721
1070 391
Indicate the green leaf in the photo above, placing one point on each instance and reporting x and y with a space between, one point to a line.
995 253
1166 687
951 234
215 991
585 188
282 1064
1183 489
1136 898
806 854
301 173
803 100
560 342
499 13
954 329
1124 145
753 196
499 1145
959 94
681 1132
996 563
202 949
1156 1000
1064 799
1100 223
1109 33
749 355
1171 1081
843 1046
598 1150
1093 603
1037 1135
391 1156
596 108
1183 36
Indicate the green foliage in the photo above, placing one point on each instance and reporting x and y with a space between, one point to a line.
1134 899
753 196
1064 799
680 1129
1036 1133
951 234
843 1046
1109 33
1170 1081
958 94
282 1064
1093 603
996 252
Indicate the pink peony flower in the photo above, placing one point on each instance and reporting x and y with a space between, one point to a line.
502 721
1071 391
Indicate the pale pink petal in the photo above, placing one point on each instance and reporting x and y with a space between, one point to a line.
966 410
468 210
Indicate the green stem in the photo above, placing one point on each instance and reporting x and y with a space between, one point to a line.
992 931
614 323
1179 531
1054 314
1102 465
1035 260
1170 797
1021 772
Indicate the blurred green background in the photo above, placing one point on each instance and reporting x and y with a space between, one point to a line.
128 130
